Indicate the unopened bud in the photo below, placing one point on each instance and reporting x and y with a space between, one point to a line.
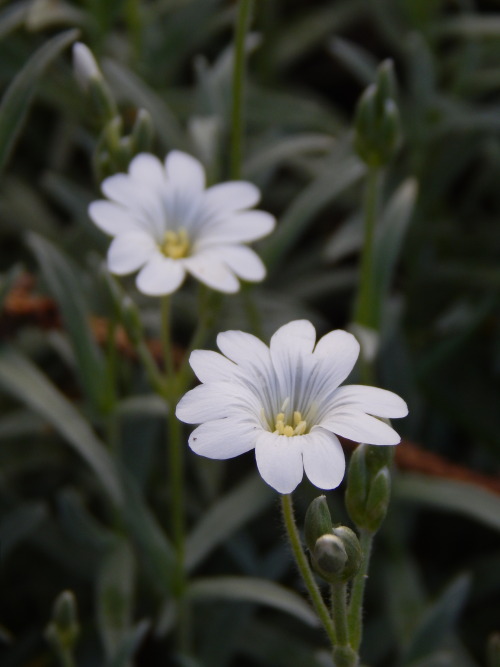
369 486
318 521
352 548
63 630
377 120
85 66
378 499
329 557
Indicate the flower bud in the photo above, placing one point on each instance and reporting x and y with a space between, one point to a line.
85 66
318 521
377 122
353 550
369 486
63 630
329 557
91 80
378 500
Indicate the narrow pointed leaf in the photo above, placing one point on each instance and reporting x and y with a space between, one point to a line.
226 516
20 378
251 589
19 95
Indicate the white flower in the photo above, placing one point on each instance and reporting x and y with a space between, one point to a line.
285 402
166 223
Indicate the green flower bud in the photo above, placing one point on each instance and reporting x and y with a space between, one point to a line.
352 548
386 80
378 499
369 486
329 557
377 457
357 485
377 122
318 521
63 630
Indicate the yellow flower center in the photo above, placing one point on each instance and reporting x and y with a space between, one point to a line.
175 244
298 427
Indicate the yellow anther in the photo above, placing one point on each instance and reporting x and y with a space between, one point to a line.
175 244
300 429
281 428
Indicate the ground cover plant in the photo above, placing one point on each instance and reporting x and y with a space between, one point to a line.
237 239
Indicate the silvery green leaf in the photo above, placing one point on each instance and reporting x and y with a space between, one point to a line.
438 621
450 495
65 285
226 516
20 378
19 95
252 589
114 596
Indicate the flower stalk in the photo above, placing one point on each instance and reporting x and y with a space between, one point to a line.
355 610
304 569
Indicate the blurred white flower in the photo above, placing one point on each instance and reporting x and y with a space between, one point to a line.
84 65
285 401
166 223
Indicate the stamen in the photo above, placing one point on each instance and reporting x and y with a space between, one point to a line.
175 244
299 425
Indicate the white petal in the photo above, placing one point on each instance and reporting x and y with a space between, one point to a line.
374 401
279 460
161 275
217 400
209 366
143 200
224 438
294 339
245 350
243 261
148 169
291 354
338 352
208 269
185 171
324 460
233 196
112 218
242 227
129 251
360 427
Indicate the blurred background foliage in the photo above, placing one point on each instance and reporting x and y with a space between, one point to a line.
79 515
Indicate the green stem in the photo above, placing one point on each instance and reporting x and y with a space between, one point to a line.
166 338
176 486
355 611
206 310
304 569
154 375
242 23
366 310
339 612
66 658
